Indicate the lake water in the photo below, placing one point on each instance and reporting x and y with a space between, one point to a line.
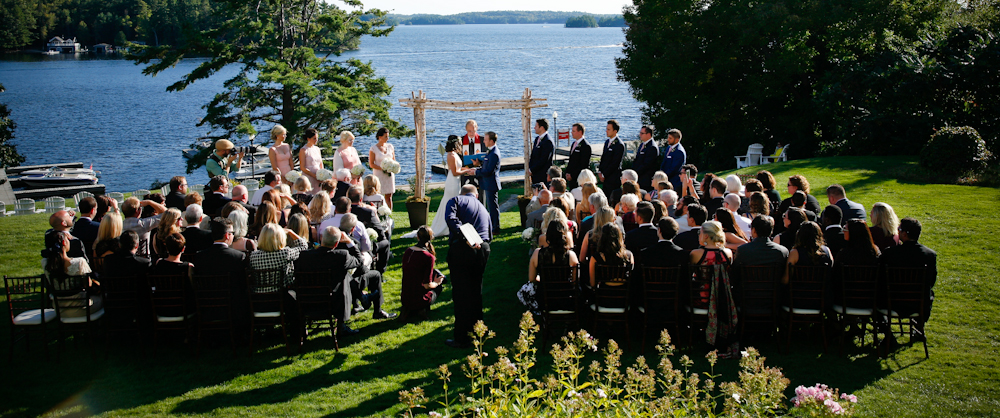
106 113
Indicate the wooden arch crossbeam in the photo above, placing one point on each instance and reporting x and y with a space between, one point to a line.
420 103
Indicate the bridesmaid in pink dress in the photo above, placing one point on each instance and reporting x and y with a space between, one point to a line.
280 153
348 156
310 158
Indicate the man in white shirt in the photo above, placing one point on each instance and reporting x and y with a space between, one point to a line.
732 204
271 181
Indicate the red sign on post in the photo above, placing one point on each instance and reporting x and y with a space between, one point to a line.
564 134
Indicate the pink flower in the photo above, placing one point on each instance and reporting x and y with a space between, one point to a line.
851 398
833 406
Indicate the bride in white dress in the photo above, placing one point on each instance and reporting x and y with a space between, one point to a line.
452 185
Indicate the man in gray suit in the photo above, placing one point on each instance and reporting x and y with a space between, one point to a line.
544 197
760 250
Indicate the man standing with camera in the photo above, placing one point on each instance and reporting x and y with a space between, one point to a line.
223 161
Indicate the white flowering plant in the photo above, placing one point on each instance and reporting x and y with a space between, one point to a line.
390 165
324 174
293 175
506 388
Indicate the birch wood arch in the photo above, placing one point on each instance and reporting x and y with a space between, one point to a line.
420 103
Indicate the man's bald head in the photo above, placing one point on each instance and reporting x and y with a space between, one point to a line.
732 202
240 193
544 197
468 188
62 220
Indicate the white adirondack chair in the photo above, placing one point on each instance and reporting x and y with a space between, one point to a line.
3 209
140 193
780 154
752 158
80 196
117 196
25 207
54 204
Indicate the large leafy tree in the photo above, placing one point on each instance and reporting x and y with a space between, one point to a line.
285 51
8 152
730 73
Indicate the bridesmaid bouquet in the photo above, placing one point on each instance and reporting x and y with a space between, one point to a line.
372 234
324 174
358 170
293 175
390 165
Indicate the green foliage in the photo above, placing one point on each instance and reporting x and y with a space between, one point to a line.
494 17
287 76
8 152
611 21
955 150
583 21
17 21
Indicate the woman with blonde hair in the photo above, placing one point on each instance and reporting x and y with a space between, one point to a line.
107 234
372 187
585 177
885 226
716 293
298 224
583 207
659 177
170 223
346 156
240 241
553 215
280 153
603 216
319 208
301 189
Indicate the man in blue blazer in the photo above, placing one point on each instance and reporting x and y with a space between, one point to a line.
674 158
542 153
850 210
489 178
645 158
609 171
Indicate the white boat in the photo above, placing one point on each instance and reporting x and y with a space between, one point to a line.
58 179
50 52
60 170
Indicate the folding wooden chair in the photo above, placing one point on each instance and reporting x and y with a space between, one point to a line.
611 296
661 297
213 297
806 298
29 311
757 295
314 294
78 306
857 301
172 304
266 290
558 297
906 302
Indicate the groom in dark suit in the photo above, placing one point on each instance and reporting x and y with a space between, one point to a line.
541 153
674 158
467 261
579 157
645 159
609 171
489 177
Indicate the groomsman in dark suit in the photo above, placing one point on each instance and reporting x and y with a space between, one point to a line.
645 158
542 153
609 171
489 178
850 210
674 159
579 156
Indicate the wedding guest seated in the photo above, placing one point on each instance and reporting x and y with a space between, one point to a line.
230 207
108 234
172 265
582 210
851 210
681 214
799 199
759 205
340 262
859 249
732 203
367 216
341 206
363 276
301 189
105 204
329 186
768 183
885 225
216 199
266 214
911 254
124 262
62 221
659 211
554 214
628 188
281 201
561 205
714 252
219 258
373 195
241 197
178 190
793 218
585 177
800 183
559 192
734 235
717 193
197 239
809 250
669 198
240 241
58 265
644 235
421 284
271 180
689 240
704 194
558 253
761 251
544 197
610 251
627 176
170 223
833 233
86 227
553 173
690 186
660 183
131 210
627 211
596 200
664 253
274 253
193 199
603 217
300 225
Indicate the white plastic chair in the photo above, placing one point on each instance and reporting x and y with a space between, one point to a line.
197 188
140 193
165 190
25 207
3 209
252 186
752 158
779 155
54 204
117 196
80 196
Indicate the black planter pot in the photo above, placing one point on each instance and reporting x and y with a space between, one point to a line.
522 205
418 213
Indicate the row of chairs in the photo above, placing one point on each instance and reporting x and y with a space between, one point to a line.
54 204
163 304
677 296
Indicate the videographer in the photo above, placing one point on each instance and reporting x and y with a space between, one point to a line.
223 160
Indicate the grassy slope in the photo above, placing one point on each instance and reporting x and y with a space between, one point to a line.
364 377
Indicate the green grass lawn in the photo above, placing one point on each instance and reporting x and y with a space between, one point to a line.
363 378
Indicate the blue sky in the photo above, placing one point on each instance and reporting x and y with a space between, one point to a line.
447 7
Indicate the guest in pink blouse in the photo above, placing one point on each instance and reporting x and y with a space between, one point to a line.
347 156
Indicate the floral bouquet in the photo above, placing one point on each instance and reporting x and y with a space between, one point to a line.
358 170
292 176
384 211
324 174
821 401
390 165
528 234
372 234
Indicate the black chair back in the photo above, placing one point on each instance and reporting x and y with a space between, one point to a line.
611 289
171 297
758 290
661 291
906 291
25 294
558 288
807 287
858 288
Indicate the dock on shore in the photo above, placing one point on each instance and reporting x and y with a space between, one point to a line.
7 184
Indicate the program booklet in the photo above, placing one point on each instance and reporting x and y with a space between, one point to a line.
471 235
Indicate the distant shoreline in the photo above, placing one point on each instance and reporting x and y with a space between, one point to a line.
503 17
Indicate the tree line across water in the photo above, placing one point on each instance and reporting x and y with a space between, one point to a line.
505 17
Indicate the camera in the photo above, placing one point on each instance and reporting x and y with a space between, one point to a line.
245 150
538 186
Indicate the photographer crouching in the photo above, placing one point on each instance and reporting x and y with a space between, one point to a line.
223 160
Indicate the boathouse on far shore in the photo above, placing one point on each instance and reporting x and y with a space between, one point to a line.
66 46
